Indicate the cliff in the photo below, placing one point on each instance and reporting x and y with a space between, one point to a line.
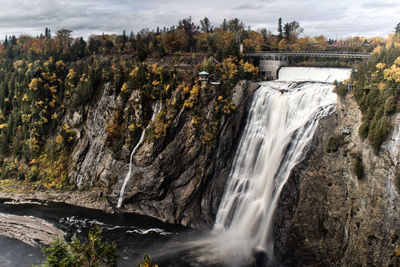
329 216
175 178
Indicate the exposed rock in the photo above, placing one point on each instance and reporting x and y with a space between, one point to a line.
93 199
30 230
326 216
175 179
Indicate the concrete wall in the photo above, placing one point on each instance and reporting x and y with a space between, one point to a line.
269 68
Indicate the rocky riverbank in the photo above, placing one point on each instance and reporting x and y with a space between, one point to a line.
30 230
88 199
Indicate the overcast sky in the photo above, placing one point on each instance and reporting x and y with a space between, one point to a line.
332 18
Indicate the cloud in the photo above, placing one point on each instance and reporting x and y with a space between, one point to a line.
330 18
247 6
379 4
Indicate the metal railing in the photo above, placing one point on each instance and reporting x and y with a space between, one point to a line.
338 54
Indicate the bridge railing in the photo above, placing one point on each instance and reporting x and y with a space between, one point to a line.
345 54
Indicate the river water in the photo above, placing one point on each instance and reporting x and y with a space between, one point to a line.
133 234
14 253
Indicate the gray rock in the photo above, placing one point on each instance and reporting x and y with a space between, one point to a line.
175 179
326 216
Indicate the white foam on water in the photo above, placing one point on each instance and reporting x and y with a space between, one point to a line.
281 123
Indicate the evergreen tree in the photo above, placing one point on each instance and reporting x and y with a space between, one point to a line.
205 25
78 49
94 251
224 25
280 31
287 31
47 33
124 37
397 29
13 40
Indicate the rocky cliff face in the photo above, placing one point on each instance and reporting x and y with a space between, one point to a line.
328 216
175 178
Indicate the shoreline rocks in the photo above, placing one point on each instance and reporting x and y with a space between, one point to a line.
30 230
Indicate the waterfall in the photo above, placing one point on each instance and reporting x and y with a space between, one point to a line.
157 109
280 125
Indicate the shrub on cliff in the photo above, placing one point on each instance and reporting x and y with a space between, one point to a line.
397 180
379 130
358 166
340 88
335 142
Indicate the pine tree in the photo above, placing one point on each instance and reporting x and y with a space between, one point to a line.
287 30
280 31
124 37
6 42
13 40
397 29
47 33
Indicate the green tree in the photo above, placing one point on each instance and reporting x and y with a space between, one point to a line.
295 29
287 31
205 25
47 33
94 252
397 28
58 255
280 31
6 42
235 25
190 29
292 31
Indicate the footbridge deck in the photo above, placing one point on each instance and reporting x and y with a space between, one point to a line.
277 55
272 61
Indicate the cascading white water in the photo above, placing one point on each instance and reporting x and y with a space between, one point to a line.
157 109
300 74
280 125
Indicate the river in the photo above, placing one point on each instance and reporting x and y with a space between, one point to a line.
133 234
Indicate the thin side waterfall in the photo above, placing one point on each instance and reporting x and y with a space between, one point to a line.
280 125
157 109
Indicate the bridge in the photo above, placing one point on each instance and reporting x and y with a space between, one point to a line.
285 54
272 61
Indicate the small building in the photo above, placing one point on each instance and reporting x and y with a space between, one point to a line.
203 76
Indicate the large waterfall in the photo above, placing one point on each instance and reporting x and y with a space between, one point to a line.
280 125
